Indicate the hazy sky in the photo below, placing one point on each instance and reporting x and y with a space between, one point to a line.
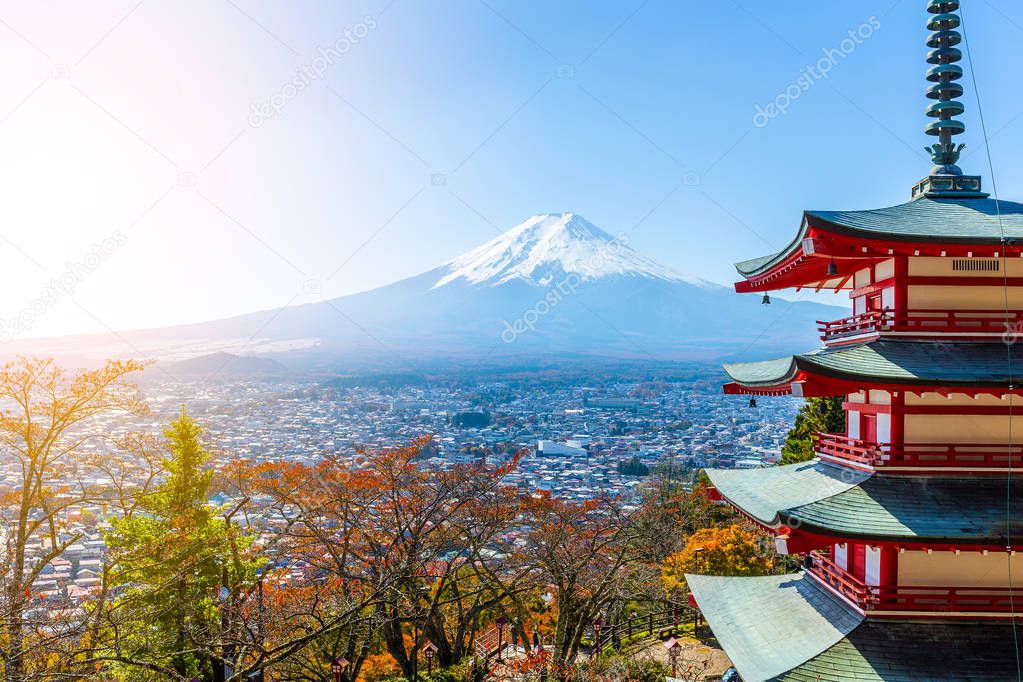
174 161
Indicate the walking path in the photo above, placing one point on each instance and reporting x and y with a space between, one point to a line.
699 661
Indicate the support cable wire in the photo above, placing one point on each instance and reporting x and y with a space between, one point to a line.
1009 341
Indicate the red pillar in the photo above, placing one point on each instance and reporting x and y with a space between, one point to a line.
857 558
898 418
889 565
901 298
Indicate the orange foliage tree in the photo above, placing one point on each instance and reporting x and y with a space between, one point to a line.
728 550
583 550
373 548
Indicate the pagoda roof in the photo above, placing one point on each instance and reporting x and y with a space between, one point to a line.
772 624
947 220
967 221
889 361
790 629
763 493
827 500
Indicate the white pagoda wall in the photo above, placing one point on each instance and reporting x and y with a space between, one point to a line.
962 428
881 271
884 421
968 569
920 266
958 297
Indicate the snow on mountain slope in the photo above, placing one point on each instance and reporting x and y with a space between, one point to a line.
546 248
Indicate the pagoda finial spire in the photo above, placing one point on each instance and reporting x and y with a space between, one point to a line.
944 89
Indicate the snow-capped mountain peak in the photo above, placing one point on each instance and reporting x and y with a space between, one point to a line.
548 248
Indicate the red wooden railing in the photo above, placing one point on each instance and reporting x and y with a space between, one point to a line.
969 322
967 455
920 599
866 323
849 449
945 599
838 580
979 455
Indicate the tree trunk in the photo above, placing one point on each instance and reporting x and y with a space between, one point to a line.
446 654
14 671
395 643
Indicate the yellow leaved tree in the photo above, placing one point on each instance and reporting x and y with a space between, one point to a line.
726 550
48 417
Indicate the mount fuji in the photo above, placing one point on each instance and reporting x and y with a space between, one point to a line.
548 248
553 285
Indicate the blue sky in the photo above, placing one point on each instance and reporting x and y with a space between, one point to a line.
434 126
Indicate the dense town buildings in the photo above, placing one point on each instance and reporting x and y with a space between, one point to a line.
590 430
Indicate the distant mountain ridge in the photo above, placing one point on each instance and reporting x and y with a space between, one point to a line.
226 366
553 285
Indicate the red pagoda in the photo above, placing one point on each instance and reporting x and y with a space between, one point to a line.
908 521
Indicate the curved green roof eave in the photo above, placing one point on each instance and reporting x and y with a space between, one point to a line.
925 363
789 629
973 220
833 501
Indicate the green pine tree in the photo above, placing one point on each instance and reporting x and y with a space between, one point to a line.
176 567
817 415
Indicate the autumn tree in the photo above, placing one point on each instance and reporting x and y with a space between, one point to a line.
319 602
48 416
378 548
583 549
669 515
437 534
331 542
728 550
476 577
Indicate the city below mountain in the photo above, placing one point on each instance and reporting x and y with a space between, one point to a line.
555 285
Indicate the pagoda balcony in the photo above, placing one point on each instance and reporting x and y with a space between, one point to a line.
913 600
870 455
961 323
848 450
